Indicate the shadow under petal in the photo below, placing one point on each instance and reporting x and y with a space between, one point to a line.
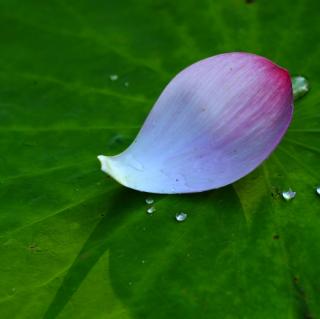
214 262
164 269
118 214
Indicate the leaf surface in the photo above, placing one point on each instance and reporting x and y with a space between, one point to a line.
74 243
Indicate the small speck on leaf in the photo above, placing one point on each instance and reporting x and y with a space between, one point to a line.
113 77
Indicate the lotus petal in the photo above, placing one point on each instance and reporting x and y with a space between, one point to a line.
214 123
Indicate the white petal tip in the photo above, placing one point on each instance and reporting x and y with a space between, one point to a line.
110 167
104 163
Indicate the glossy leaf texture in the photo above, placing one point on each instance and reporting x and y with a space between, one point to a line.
74 243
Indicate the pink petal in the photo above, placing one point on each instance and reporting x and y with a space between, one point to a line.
214 123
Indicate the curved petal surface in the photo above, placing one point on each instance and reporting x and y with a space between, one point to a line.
215 122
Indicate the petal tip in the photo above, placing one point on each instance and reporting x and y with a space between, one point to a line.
284 75
110 167
104 163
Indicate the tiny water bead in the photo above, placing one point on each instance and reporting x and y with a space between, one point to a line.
180 217
114 77
149 200
151 210
300 86
318 190
289 194
126 84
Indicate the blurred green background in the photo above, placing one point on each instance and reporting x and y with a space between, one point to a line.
74 243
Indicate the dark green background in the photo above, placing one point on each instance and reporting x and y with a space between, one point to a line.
74 243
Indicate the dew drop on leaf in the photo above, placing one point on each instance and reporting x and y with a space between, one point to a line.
149 200
300 86
180 217
151 210
114 77
289 194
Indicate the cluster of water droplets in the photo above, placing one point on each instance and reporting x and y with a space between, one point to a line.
180 217
151 209
115 77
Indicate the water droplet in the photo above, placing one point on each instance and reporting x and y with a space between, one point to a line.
318 190
151 210
126 84
114 77
130 283
289 194
300 86
143 261
149 200
180 217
